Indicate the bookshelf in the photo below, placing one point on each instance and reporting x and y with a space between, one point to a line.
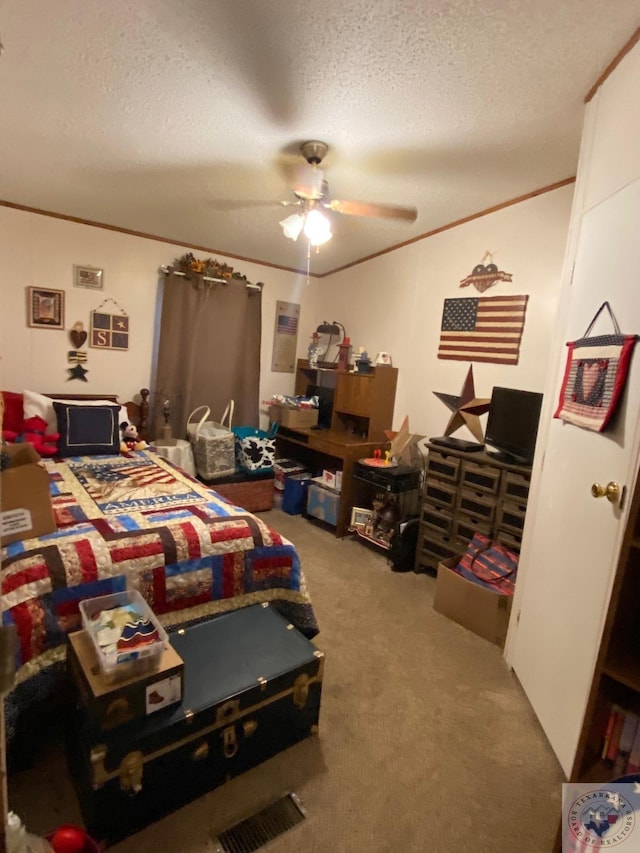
616 675
616 678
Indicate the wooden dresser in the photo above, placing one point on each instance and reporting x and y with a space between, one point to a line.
465 493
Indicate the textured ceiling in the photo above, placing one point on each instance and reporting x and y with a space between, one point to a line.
179 117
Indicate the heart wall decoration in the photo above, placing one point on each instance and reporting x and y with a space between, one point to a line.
78 335
485 275
77 356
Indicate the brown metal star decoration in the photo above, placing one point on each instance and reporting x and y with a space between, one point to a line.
466 408
402 442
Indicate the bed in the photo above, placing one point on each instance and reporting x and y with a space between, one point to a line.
136 521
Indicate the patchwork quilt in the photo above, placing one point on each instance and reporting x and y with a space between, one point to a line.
137 522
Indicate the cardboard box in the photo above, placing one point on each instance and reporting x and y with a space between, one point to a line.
332 479
283 468
109 703
25 501
293 418
481 610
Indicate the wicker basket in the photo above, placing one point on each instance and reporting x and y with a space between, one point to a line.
250 493
213 444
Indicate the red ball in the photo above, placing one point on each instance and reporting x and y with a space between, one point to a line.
68 839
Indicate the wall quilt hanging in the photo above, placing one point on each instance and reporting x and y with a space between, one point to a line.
595 376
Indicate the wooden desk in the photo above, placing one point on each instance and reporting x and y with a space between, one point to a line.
331 449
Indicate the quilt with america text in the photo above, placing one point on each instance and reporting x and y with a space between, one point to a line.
138 522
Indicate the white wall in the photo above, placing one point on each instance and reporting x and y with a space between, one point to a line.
394 303
37 250
391 303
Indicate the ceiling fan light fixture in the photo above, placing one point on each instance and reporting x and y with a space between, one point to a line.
317 228
292 225
308 182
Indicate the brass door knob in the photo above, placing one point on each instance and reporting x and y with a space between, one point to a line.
611 491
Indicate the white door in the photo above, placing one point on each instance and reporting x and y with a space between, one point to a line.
571 547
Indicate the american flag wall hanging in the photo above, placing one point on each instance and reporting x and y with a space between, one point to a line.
285 337
482 328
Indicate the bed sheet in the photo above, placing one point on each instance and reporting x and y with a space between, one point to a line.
138 522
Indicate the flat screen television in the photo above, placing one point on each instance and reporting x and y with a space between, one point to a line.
512 425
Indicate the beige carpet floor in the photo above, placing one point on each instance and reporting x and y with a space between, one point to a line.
427 742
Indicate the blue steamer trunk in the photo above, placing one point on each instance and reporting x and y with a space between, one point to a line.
252 689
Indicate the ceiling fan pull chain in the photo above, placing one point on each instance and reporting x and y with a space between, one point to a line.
308 261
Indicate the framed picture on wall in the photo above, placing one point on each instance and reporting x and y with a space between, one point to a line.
45 308
91 277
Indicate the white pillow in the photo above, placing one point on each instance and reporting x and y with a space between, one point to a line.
41 405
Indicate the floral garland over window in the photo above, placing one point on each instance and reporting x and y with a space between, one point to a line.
209 266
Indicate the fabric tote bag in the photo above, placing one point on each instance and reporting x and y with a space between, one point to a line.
595 376
489 564
255 448
213 443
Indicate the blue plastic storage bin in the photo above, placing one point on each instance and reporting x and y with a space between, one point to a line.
323 504
295 493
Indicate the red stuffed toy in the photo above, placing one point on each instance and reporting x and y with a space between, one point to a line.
34 431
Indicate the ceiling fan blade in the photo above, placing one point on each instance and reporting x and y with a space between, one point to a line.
363 208
228 204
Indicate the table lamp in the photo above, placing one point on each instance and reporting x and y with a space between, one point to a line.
167 439
344 347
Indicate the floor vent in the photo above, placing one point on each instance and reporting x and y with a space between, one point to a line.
256 831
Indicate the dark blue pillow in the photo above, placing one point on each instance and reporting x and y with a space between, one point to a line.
87 430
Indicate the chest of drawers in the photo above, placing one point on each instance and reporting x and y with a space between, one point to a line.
465 493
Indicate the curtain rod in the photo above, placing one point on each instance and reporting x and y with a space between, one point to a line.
166 270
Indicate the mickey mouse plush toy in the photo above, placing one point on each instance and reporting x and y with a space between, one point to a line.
130 440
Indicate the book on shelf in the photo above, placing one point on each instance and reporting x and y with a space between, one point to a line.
627 737
634 759
615 716
612 751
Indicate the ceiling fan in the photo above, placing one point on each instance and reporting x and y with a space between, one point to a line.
312 195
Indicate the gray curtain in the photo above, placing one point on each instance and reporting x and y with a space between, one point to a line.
208 351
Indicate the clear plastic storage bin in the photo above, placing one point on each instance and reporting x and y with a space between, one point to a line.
128 662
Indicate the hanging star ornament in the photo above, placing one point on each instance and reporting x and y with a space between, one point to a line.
466 408
78 372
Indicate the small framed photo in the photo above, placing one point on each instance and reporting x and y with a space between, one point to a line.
91 277
360 517
45 308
